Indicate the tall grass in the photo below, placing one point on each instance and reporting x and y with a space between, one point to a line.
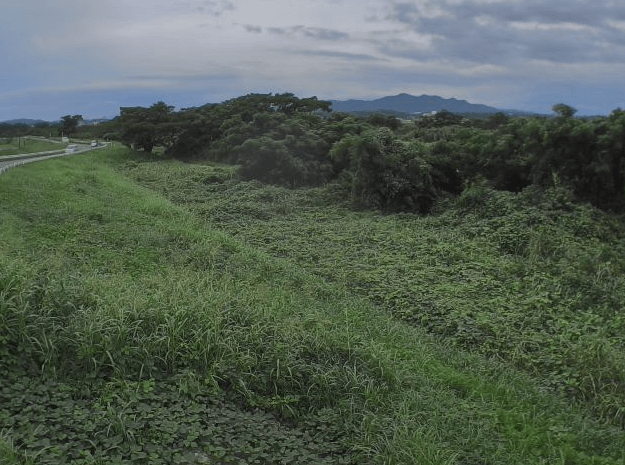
532 279
111 291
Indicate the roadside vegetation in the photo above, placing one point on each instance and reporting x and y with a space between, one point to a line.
15 146
278 285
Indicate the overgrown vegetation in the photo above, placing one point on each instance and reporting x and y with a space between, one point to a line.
160 339
284 140
530 278
279 284
133 332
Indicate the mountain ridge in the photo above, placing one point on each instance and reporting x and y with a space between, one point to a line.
406 103
26 121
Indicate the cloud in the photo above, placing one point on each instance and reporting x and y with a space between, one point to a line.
496 52
255 29
316 33
214 7
582 12
324 34
277 30
511 32
333 54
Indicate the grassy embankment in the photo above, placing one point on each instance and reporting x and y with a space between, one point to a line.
154 337
532 279
28 146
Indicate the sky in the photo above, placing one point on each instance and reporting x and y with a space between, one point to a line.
91 57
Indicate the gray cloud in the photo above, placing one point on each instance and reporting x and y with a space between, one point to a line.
400 48
505 53
332 54
277 30
506 32
181 79
324 34
255 29
215 7
311 32
582 12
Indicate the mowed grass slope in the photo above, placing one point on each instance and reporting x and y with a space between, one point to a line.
151 337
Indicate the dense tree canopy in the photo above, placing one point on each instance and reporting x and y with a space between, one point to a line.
145 128
383 162
69 124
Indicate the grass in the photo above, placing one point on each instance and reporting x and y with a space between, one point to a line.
28 146
157 337
531 279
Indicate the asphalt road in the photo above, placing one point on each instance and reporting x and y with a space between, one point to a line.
6 164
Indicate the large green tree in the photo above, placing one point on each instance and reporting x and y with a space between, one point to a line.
563 110
144 128
385 172
612 153
69 124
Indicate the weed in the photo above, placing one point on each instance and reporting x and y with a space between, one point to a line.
265 330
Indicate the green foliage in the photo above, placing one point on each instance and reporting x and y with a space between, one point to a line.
293 153
575 154
282 139
611 146
69 124
145 128
135 331
269 161
439 119
510 153
9 130
494 121
381 120
563 110
149 421
276 138
497 273
386 173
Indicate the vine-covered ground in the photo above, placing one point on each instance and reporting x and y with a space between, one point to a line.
256 324
532 278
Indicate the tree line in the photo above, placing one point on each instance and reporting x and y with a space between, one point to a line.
382 162
385 163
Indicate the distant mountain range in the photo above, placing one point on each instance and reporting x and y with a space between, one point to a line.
27 122
398 105
409 104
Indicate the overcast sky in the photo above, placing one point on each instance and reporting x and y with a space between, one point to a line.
90 57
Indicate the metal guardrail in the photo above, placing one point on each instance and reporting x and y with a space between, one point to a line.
27 158
21 156
24 160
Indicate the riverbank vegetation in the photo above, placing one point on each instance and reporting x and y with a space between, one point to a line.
284 285
389 165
